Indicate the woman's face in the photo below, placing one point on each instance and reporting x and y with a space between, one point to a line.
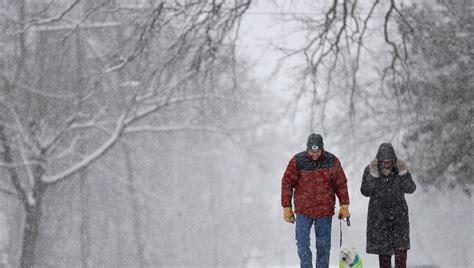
387 163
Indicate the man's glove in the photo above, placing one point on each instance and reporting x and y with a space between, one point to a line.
288 215
344 211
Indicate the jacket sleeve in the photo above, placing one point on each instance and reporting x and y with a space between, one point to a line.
408 185
341 183
288 183
368 183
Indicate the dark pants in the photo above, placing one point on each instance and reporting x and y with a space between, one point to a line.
322 228
385 261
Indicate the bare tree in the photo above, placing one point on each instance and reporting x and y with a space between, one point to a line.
345 41
76 76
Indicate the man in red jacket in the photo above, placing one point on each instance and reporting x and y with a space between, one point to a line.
315 176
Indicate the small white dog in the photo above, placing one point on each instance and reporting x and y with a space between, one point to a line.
349 258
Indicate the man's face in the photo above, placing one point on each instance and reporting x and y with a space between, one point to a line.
315 154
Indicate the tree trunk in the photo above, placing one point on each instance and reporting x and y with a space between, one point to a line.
30 234
136 210
33 218
85 220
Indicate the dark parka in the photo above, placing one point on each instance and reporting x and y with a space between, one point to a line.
388 226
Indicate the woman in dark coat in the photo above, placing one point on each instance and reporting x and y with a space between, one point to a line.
386 180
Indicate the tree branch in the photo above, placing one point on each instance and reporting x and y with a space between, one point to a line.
107 145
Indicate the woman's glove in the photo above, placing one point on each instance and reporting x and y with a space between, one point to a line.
288 215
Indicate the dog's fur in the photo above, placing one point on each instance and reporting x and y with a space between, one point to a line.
348 258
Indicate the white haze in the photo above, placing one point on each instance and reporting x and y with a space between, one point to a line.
213 200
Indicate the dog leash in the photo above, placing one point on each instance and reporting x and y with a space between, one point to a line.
348 222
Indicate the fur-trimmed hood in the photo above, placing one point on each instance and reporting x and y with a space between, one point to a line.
400 165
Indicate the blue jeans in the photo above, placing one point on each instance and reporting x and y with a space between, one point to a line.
322 227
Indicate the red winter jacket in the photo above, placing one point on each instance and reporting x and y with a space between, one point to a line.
314 183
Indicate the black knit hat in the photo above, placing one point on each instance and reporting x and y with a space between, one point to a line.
315 142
